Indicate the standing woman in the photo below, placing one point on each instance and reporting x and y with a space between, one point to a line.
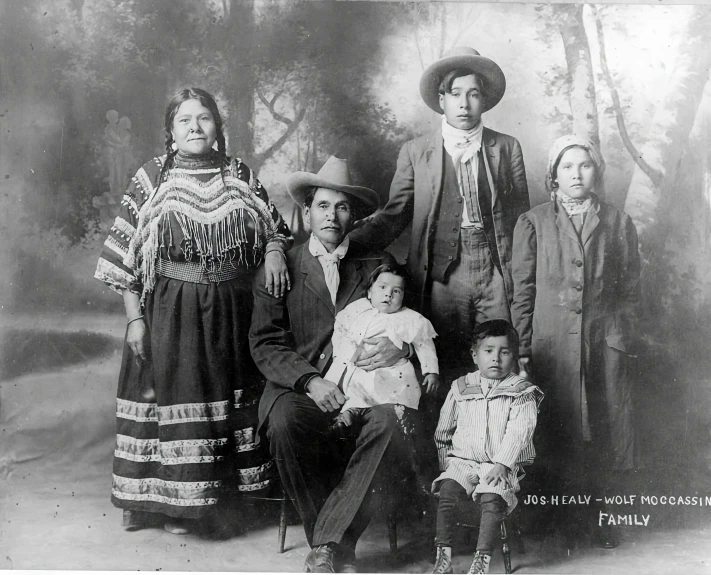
194 225
576 275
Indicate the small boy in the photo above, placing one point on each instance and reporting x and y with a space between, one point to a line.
483 437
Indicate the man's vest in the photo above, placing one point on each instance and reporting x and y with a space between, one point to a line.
445 248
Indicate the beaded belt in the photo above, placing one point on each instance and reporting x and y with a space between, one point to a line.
194 273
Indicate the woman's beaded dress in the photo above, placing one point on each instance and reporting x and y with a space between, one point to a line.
179 453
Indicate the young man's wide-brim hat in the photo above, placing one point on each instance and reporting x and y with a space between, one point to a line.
333 175
462 57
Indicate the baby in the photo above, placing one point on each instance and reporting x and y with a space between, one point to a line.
381 314
483 437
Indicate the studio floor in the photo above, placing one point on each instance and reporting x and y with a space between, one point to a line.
57 408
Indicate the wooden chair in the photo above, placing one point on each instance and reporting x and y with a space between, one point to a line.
281 537
284 498
509 526
276 494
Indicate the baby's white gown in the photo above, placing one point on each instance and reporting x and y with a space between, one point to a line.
396 384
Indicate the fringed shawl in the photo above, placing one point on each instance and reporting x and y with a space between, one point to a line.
213 212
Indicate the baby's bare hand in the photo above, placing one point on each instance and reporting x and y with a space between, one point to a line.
431 383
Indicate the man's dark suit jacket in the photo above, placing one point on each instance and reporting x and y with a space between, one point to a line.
416 195
291 337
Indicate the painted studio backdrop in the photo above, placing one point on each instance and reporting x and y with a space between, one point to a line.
83 88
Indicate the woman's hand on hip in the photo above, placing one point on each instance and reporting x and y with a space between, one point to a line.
276 274
136 339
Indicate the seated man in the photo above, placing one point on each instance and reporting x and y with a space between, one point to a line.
290 340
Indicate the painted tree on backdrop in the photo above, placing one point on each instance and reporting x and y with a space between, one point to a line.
231 61
352 122
652 189
578 80
294 77
291 79
129 56
581 79
319 65
438 27
667 201
105 56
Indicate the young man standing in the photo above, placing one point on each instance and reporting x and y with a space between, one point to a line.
462 187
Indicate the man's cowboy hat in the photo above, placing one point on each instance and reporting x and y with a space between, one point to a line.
462 57
333 175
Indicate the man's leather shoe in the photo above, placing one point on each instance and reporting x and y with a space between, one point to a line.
320 560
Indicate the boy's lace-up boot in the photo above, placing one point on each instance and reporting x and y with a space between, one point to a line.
443 563
480 563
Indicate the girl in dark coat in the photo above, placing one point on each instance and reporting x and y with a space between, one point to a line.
576 289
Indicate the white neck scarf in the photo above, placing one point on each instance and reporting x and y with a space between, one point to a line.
462 145
329 262
574 206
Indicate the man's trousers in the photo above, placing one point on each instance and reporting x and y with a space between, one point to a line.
334 487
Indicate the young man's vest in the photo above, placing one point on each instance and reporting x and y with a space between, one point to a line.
445 248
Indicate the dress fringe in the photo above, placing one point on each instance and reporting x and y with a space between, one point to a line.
222 241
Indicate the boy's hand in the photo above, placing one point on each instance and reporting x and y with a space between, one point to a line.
498 477
431 383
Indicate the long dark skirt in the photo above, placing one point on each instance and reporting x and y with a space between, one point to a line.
182 452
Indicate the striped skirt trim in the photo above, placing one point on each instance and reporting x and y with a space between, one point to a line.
177 493
172 414
169 452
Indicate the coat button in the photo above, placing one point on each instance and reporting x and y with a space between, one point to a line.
453 244
322 356
459 200
455 229
456 214
579 287
578 263
578 311
450 257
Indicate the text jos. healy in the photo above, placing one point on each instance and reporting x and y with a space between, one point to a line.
618 500
557 500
